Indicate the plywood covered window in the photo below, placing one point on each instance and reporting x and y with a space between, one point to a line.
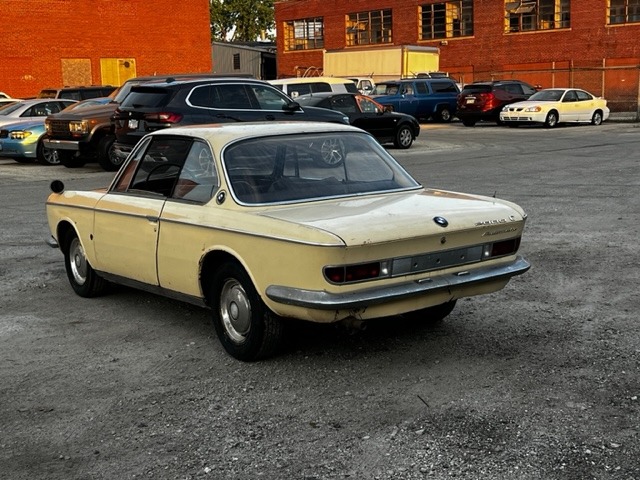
446 19
532 15
368 28
304 34
623 11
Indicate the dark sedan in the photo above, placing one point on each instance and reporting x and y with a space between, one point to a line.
369 115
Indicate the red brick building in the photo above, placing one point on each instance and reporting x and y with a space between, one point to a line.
50 43
592 44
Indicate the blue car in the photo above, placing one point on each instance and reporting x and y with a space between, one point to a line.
22 140
422 98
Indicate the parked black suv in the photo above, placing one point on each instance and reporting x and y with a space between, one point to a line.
484 100
85 135
176 102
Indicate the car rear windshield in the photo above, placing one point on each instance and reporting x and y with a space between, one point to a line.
477 89
305 167
147 97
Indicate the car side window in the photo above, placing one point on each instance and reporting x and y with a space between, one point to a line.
582 96
320 87
269 98
367 105
160 165
570 96
345 104
421 88
223 96
513 88
407 89
443 87
198 179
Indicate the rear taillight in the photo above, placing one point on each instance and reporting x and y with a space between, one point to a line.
356 273
489 101
502 248
163 117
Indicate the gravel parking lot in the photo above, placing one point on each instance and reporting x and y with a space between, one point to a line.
538 381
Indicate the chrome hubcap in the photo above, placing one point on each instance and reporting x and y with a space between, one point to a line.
78 262
235 311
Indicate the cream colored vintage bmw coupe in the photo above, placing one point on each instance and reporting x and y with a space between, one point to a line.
263 222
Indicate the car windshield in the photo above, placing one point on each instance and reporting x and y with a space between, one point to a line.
304 167
12 107
547 96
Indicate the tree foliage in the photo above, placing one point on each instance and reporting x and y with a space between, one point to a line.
241 20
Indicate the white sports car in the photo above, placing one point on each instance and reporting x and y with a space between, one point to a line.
552 106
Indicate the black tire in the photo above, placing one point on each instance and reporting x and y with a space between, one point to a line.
552 119
444 114
404 137
70 160
432 314
596 119
46 156
247 329
107 158
468 123
83 279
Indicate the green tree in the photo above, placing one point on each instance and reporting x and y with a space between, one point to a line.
241 20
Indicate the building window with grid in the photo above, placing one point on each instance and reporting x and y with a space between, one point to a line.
368 28
304 34
453 18
532 15
623 11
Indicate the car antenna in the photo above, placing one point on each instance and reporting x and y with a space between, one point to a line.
494 193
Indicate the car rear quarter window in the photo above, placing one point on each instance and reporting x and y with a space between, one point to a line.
443 87
513 88
146 97
223 96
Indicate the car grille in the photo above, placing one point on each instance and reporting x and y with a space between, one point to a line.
4 133
515 118
59 128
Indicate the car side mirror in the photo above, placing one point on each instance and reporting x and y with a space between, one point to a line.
291 107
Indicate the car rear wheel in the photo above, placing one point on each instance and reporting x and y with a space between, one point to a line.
432 314
83 279
552 119
596 119
46 156
404 137
107 157
70 160
468 123
444 114
247 329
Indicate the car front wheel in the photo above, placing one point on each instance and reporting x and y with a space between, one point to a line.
247 329
404 137
551 120
46 156
107 157
83 279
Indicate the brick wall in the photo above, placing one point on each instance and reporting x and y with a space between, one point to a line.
41 39
549 58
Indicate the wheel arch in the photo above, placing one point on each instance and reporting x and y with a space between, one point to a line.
62 230
211 261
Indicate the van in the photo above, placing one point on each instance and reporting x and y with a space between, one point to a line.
306 85
422 98
364 85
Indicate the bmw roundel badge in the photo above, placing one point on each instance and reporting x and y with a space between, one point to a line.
441 221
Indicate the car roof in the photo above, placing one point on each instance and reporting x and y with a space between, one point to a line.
284 81
33 101
220 134
186 80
